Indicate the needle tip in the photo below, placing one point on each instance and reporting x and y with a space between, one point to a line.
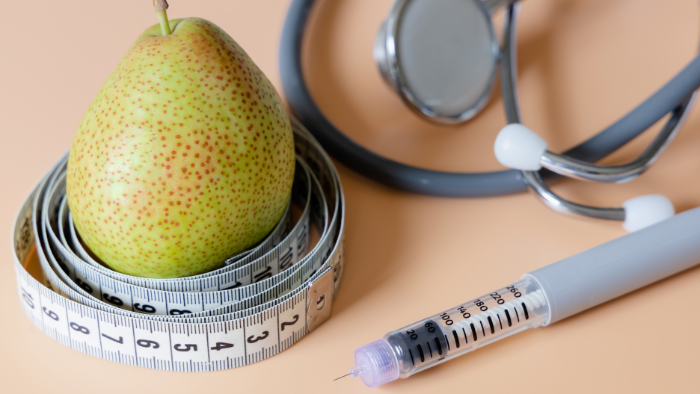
341 377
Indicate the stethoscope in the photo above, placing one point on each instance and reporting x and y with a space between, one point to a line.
451 86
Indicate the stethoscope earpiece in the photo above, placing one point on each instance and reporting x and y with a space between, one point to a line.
643 211
440 56
519 148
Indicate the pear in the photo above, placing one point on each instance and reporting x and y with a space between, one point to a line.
184 158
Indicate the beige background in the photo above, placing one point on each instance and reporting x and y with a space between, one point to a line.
583 64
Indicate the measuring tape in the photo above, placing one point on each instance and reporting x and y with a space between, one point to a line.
258 304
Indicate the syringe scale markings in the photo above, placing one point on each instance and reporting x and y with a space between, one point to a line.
413 343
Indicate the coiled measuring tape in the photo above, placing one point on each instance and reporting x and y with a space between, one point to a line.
258 304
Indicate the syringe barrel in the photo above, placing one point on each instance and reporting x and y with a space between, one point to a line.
620 266
454 332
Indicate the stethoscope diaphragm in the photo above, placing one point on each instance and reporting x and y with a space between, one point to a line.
440 56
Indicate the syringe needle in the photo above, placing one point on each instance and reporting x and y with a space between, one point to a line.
341 377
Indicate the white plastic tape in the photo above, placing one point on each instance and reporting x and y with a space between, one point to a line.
257 305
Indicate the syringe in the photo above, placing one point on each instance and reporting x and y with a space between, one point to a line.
540 298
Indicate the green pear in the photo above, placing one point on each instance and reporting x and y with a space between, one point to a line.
184 158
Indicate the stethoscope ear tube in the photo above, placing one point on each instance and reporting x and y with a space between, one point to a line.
636 213
452 184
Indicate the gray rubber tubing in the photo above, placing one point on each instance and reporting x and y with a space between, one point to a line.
452 184
620 266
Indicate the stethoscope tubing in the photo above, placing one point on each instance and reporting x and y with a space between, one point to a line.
452 184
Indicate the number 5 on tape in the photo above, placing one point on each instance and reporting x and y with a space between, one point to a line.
319 300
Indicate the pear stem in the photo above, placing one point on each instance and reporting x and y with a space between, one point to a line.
161 6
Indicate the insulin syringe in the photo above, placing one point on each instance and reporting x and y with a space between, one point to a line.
540 298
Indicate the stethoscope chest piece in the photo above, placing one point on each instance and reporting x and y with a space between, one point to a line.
440 56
